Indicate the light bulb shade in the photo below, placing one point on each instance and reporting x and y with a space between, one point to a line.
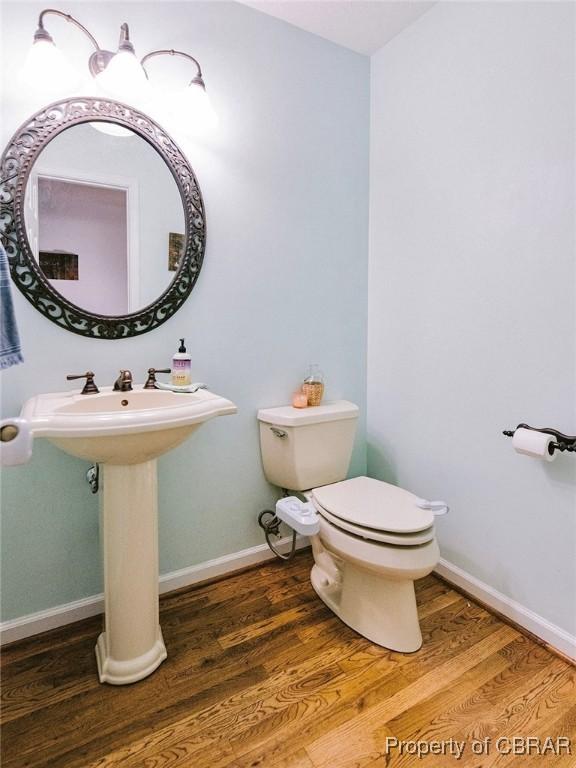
47 69
193 110
124 78
112 129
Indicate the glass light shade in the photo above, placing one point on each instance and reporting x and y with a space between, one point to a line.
124 78
112 129
47 69
193 110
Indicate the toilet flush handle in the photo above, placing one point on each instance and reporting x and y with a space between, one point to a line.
279 432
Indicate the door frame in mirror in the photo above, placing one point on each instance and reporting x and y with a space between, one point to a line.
128 185
15 167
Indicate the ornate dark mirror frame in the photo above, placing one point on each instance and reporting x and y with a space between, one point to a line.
15 166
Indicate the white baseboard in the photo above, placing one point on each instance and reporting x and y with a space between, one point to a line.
540 627
33 624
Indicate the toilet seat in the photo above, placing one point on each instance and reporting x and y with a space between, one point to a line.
371 534
375 510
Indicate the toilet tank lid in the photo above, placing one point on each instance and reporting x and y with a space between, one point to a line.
287 416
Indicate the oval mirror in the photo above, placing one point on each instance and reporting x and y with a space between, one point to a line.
103 219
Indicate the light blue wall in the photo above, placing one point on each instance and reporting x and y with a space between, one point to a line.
471 285
285 185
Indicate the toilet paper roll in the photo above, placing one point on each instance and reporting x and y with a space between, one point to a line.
15 442
532 443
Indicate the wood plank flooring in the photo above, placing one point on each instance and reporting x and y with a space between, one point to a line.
260 673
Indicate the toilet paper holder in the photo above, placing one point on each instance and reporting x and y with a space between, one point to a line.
563 442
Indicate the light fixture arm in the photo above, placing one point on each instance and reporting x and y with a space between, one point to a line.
125 44
196 80
98 60
41 32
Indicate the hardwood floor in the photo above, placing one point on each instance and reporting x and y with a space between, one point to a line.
260 673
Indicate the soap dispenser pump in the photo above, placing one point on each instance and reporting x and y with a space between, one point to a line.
181 367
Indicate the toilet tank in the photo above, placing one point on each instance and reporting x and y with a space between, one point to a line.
305 448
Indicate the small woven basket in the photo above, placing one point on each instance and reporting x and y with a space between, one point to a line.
314 391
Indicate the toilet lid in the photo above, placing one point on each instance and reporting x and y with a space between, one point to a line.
370 503
385 537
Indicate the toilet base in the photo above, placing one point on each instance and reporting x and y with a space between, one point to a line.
380 609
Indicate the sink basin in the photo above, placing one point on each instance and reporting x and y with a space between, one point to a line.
121 427
124 432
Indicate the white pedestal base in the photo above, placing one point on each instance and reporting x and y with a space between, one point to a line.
116 672
131 645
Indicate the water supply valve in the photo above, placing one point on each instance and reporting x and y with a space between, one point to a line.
299 515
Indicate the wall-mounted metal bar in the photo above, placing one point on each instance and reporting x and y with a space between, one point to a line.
562 442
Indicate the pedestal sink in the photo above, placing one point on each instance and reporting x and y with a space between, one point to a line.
124 432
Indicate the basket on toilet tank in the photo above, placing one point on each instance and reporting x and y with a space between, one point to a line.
306 448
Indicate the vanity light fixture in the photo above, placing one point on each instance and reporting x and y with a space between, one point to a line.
120 74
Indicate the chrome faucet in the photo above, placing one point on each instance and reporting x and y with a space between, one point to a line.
124 382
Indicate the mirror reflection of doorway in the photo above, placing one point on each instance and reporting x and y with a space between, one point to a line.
83 242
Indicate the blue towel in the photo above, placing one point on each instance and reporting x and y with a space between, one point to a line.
10 353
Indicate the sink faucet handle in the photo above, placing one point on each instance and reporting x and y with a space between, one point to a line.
151 380
90 387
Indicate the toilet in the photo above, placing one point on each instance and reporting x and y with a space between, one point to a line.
374 539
